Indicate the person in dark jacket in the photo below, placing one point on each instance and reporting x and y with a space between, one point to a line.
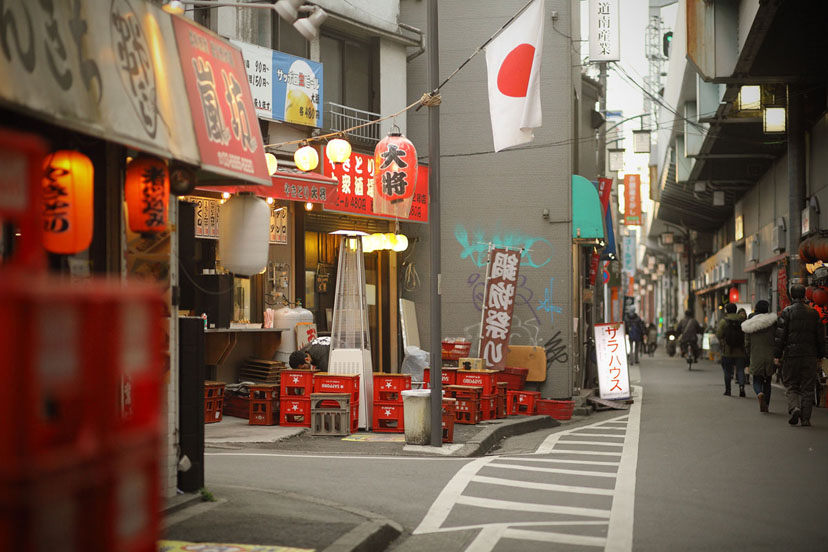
688 331
760 331
799 349
636 331
733 354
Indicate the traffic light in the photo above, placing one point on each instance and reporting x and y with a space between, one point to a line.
668 38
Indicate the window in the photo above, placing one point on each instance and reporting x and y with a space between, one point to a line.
349 73
288 40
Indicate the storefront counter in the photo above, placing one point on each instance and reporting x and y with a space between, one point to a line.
226 348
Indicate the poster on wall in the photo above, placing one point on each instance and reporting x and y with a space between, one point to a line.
297 90
498 304
206 216
258 63
278 225
611 353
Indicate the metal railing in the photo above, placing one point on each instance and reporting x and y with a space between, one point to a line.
340 117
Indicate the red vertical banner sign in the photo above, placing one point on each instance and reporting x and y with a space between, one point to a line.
604 190
225 122
498 304
632 200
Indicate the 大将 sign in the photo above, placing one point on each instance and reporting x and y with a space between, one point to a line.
224 118
357 179
498 304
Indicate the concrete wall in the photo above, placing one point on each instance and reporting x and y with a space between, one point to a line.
488 197
392 78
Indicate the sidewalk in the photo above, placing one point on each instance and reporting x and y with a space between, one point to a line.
277 521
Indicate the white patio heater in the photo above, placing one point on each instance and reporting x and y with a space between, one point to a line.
350 343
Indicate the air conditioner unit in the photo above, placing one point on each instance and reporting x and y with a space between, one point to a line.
752 249
778 236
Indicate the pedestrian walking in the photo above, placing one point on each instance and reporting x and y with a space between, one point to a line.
760 333
635 331
732 339
799 349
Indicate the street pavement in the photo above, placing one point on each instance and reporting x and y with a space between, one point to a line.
685 468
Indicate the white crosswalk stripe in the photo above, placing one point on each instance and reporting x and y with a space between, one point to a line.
582 481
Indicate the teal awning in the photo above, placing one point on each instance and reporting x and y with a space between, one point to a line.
587 218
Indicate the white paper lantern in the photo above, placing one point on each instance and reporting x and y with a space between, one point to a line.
245 234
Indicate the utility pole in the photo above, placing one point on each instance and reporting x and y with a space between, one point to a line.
602 130
796 178
435 303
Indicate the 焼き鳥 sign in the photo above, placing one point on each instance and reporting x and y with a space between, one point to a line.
498 304
611 352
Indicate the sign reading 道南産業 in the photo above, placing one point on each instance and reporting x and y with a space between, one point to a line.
604 27
611 353
498 304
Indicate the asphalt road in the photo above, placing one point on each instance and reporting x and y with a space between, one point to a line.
684 469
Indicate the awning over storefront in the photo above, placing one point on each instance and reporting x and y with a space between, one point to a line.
289 186
720 285
112 73
587 218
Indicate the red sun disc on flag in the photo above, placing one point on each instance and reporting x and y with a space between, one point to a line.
513 77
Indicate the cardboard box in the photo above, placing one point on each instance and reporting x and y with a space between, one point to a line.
473 364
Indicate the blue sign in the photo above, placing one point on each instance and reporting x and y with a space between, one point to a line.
297 90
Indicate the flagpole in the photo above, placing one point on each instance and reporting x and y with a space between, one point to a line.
435 303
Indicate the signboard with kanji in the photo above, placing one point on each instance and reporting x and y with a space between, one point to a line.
632 200
226 128
258 62
498 304
611 352
278 225
604 30
357 184
206 216
297 90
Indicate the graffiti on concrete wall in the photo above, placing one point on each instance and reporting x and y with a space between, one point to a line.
537 250
547 304
555 350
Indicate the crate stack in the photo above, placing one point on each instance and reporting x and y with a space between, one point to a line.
295 387
449 415
325 382
213 401
486 380
467 410
452 349
79 414
448 376
388 403
514 377
522 402
502 399
264 405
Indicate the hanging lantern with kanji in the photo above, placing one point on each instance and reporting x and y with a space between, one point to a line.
68 182
734 294
147 193
396 160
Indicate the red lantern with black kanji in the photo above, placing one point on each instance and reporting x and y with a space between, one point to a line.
395 159
147 191
68 181
733 295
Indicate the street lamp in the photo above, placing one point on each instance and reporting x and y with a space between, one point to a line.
286 9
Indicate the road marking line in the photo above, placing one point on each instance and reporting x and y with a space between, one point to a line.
524 524
578 439
563 461
549 443
510 505
622 520
585 452
552 470
487 538
336 456
560 538
579 434
541 486
449 496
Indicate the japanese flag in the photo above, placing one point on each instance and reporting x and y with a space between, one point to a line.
513 60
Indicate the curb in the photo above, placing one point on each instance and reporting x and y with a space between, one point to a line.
367 537
489 437
179 502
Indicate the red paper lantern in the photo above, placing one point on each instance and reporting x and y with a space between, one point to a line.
395 159
68 183
147 191
733 295
820 297
809 293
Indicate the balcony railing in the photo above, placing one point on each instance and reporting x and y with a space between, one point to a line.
340 117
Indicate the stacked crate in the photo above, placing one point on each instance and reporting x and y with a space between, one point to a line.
448 376
514 376
213 401
264 405
330 414
486 380
449 415
522 402
325 382
294 397
467 409
502 389
388 403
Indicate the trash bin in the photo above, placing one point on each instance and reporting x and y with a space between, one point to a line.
417 416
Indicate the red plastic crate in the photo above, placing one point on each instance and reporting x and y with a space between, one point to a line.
264 392
388 417
500 411
325 382
294 412
514 377
236 406
387 387
560 410
488 407
448 375
296 383
213 410
467 411
213 389
487 379
522 402
449 415
265 412
463 392
455 350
